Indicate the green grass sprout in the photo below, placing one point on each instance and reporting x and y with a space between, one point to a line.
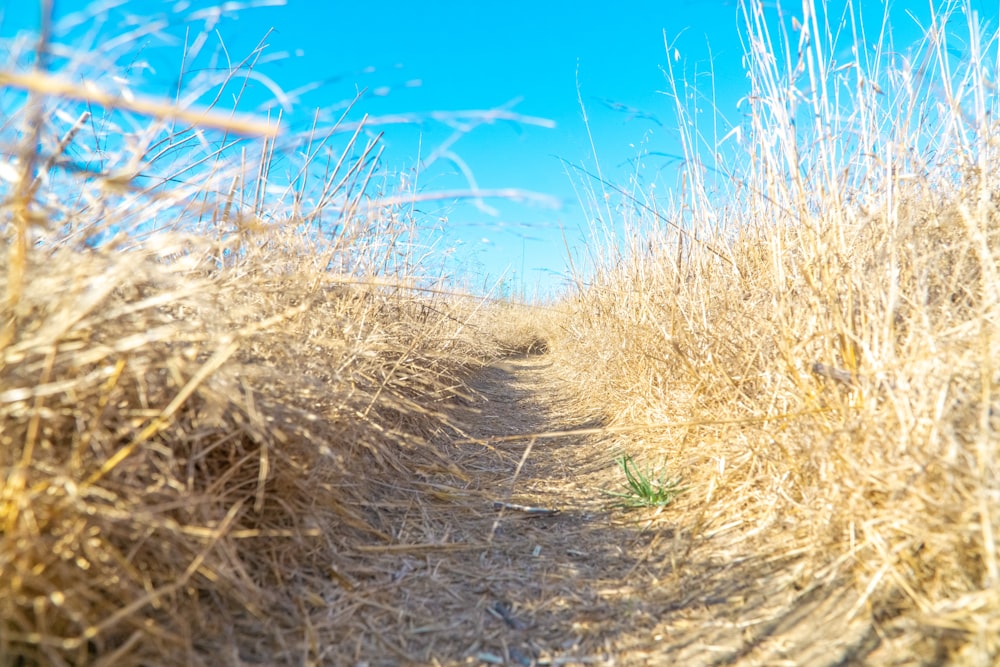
645 490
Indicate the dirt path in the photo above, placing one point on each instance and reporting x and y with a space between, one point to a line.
467 584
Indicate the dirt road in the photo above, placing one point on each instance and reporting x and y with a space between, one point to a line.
574 580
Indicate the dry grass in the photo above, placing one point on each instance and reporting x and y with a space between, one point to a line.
815 347
183 455
204 390
228 417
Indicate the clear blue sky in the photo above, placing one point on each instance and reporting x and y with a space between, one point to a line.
420 57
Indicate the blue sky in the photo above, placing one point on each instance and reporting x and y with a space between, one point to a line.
420 57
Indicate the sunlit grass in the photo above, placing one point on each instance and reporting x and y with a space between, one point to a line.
215 351
213 381
812 325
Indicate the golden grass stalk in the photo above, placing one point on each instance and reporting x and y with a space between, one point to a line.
203 393
48 85
815 335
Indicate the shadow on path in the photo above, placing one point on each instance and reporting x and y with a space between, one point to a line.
464 583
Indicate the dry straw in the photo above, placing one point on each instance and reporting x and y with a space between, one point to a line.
224 415
830 381
202 389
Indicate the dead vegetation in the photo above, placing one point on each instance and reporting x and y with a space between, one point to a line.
239 430
813 343
202 391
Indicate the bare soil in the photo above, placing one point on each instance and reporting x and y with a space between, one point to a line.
465 583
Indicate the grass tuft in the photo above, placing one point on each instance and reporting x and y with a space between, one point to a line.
644 489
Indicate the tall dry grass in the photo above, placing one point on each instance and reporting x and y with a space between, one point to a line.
813 340
205 388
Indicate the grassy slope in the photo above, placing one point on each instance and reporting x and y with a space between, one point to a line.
185 454
816 348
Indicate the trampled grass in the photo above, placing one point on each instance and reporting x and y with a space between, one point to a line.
209 393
